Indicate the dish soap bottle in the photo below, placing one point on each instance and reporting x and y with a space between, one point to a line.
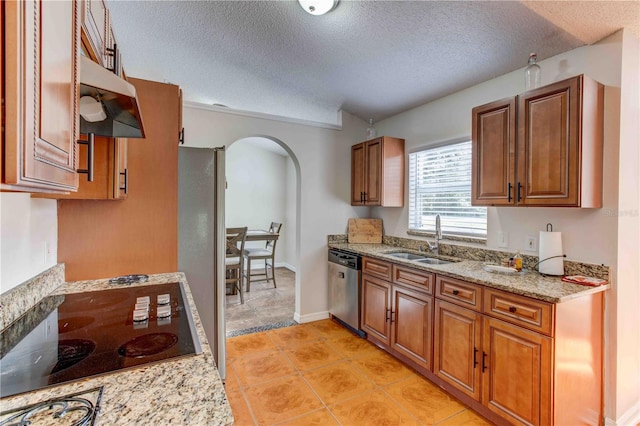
517 261
533 73
371 131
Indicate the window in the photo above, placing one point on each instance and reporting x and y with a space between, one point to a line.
440 183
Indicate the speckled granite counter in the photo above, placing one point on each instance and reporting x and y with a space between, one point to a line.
182 391
527 283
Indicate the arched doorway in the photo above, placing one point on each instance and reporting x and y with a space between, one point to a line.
263 186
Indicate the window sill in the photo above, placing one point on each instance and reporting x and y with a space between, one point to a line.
476 240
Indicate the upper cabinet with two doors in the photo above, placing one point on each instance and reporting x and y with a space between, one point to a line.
40 94
42 43
377 172
540 148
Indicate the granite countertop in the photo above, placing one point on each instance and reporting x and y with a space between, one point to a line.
187 390
526 283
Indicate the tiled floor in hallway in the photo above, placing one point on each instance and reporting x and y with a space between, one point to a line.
321 374
264 305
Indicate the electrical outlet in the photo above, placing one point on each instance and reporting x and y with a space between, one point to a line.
503 239
532 243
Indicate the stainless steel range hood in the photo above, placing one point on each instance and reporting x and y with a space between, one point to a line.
118 100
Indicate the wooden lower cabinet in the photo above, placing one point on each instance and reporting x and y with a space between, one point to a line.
411 324
505 367
399 318
376 308
517 376
457 346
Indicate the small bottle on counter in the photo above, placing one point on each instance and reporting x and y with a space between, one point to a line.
517 261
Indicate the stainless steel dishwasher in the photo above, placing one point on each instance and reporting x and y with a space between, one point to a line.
345 289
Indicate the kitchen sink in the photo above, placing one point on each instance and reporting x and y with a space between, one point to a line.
406 256
418 258
432 261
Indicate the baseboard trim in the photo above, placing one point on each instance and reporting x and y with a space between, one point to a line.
301 319
631 417
285 265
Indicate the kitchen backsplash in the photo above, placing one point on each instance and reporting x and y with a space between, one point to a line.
20 299
486 255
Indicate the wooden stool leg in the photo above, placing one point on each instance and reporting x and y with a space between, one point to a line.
273 274
248 275
239 285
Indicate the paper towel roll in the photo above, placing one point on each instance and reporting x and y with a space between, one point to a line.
551 245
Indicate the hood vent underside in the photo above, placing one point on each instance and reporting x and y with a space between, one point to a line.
121 116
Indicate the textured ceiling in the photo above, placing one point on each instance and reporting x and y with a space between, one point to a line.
371 58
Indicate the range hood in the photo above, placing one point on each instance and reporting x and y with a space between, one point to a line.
120 116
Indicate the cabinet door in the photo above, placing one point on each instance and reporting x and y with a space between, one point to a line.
517 383
412 322
357 174
374 173
110 175
548 145
119 171
457 351
376 309
95 26
493 153
41 95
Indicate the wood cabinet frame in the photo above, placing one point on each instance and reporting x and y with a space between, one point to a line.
397 310
377 172
541 148
41 90
514 359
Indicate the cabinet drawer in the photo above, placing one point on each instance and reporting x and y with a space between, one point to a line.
529 313
419 279
460 292
377 268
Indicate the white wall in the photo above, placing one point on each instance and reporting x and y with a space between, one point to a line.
589 235
257 192
623 392
290 215
26 225
450 118
322 160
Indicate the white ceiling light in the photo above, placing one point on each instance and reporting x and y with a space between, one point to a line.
318 7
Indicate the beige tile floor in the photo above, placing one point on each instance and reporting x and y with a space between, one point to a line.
264 305
321 374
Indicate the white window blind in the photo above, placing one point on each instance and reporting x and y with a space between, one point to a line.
440 183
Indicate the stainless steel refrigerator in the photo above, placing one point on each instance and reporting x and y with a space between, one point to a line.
201 238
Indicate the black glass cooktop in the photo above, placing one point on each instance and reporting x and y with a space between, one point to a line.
72 336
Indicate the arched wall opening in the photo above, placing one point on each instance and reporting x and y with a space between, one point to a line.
254 204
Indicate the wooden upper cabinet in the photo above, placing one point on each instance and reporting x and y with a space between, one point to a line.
357 174
41 89
96 29
493 153
377 172
560 144
111 175
557 138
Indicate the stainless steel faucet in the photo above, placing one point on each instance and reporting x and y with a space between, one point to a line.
435 247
